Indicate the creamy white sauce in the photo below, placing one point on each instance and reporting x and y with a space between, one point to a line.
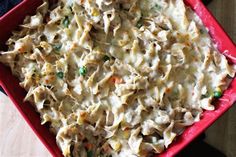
120 78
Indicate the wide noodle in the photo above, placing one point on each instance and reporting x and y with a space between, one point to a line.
117 77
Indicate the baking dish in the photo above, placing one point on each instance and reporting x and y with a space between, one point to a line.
10 83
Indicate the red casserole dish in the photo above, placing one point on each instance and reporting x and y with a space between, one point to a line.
10 84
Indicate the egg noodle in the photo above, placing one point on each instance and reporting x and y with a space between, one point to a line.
117 77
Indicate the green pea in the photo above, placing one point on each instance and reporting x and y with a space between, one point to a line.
83 70
66 22
60 74
106 58
217 94
158 7
57 47
89 153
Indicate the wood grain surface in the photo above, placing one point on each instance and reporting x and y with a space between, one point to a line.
222 134
16 137
18 140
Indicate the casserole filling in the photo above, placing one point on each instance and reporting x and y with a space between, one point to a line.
117 77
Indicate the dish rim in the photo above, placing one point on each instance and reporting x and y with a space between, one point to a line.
224 44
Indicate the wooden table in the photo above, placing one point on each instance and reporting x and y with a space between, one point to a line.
18 140
222 134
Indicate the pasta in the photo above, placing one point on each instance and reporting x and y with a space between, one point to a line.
117 77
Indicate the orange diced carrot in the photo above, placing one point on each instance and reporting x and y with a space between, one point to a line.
116 80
